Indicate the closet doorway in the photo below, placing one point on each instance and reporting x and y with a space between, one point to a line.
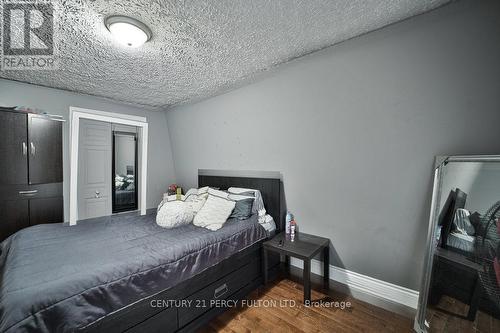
108 163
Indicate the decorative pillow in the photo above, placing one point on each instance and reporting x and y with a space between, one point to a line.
215 211
173 214
258 204
242 209
198 202
203 190
190 192
196 199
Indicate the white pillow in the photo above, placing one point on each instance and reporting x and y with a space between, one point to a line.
218 193
203 190
238 197
196 199
190 192
174 214
198 202
215 211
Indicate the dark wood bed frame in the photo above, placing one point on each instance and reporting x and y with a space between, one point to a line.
230 280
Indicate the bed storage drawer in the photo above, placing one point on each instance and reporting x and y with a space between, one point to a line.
164 321
215 293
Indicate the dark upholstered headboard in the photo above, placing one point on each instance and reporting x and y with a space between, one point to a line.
270 188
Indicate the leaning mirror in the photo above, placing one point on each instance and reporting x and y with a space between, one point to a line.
460 289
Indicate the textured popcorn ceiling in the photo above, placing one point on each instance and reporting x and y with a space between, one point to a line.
200 48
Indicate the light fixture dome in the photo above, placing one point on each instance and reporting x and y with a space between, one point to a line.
128 31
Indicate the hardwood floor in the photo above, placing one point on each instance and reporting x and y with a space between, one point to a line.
273 316
449 316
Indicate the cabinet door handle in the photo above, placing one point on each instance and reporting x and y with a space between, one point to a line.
97 194
25 148
221 291
32 148
32 192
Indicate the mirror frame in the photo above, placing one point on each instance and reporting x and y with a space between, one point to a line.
420 324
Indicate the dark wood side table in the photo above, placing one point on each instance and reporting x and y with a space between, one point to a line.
454 269
304 247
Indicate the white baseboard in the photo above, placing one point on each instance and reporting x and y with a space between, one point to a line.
359 283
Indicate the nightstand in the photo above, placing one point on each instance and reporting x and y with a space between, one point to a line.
304 247
455 275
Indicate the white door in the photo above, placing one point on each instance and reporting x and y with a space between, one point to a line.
94 165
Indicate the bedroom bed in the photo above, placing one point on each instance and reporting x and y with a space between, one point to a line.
125 273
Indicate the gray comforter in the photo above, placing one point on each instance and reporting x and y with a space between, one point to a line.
60 278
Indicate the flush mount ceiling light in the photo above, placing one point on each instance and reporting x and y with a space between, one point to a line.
128 31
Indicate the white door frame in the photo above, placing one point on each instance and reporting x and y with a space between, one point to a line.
75 114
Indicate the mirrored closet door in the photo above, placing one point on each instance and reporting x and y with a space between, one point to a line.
461 279
124 168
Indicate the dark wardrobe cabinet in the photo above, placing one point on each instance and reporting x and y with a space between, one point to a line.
31 171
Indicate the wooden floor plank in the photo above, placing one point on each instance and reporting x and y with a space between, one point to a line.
372 317
449 315
361 317
328 314
483 322
304 319
495 325
437 321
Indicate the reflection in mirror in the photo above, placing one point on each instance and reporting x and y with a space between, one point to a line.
461 282
124 171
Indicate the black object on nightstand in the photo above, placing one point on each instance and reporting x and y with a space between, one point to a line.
304 247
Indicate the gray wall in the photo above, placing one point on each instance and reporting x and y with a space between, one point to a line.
160 165
354 130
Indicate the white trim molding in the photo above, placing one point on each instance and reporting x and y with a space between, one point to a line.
75 114
365 284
